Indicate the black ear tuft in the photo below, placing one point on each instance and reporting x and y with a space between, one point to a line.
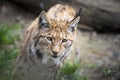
79 12
73 25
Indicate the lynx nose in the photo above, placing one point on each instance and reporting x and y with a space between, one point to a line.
55 52
55 49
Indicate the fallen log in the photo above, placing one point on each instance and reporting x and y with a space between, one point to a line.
101 15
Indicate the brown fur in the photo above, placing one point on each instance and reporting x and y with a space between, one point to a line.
46 43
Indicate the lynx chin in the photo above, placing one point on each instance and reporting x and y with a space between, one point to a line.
46 43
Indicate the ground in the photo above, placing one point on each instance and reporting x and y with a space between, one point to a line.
98 53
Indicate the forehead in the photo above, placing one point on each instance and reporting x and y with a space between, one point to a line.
58 24
58 30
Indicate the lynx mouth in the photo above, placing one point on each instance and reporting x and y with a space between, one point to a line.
55 56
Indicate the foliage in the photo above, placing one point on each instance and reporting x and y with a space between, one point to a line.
69 72
111 72
8 49
7 34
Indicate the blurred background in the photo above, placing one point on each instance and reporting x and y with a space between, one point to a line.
95 54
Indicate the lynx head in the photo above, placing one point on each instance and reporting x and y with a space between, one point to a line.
55 36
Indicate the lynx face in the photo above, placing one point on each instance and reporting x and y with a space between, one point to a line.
54 37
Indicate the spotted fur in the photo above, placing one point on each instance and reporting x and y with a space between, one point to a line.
46 43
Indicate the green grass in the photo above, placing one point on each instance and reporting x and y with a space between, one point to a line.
111 72
8 49
7 34
69 71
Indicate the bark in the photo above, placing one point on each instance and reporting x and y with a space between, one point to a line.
101 15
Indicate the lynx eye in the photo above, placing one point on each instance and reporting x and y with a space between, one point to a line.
64 40
49 39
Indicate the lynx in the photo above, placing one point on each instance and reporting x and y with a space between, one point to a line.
46 44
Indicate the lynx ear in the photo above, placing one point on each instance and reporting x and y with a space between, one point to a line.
43 22
73 25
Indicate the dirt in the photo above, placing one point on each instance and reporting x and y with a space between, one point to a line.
90 48
11 13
